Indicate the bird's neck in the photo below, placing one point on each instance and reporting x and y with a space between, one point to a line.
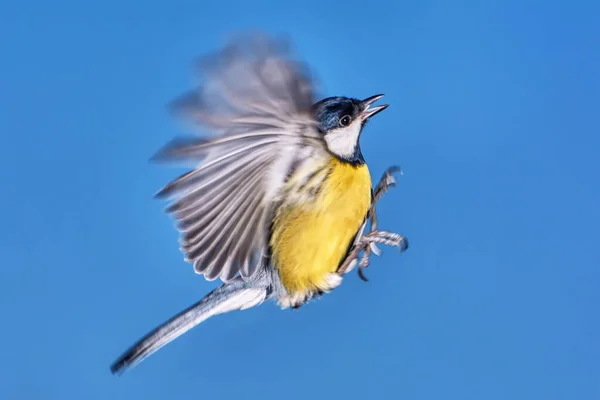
355 158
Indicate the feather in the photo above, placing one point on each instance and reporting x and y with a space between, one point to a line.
236 295
257 103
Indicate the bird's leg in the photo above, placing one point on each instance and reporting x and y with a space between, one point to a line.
385 183
364 262
367 243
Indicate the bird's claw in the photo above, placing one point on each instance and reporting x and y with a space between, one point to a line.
367 242
384 237
387 181
374 249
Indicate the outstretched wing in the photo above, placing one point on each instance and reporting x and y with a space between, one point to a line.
257 100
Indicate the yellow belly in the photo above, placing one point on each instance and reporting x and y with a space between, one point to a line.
310 239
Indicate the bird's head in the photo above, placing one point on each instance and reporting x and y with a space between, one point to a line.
341 121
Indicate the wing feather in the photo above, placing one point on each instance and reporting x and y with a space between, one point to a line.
257 103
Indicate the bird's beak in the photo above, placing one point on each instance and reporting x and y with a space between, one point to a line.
369 111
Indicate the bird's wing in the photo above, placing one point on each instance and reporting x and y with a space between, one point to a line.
257 101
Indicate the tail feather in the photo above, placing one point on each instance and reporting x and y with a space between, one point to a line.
235 295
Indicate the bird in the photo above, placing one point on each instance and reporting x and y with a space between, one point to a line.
279 196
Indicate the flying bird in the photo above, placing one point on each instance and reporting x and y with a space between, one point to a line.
280 194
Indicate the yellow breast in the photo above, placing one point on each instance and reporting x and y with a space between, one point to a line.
310 238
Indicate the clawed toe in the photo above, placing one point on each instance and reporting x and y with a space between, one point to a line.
387 238
368 244
403 244
374 249
387 181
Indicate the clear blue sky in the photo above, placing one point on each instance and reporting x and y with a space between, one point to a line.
494 117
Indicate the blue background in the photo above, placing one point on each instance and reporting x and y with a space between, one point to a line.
494 117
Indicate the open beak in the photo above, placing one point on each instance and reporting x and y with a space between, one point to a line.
369 111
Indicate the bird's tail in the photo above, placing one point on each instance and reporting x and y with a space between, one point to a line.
234 295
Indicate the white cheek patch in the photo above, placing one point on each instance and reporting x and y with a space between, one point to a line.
343 141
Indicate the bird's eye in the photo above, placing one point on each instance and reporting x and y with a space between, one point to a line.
345 121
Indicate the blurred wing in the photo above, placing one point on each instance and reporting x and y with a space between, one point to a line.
258 103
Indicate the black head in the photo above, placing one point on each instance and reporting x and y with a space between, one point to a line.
341 121
331 111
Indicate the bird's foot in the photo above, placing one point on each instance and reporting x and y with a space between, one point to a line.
366 244
386 182
368 241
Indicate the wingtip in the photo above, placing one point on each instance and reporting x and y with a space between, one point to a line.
158 157
168 152
162 194
181 148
